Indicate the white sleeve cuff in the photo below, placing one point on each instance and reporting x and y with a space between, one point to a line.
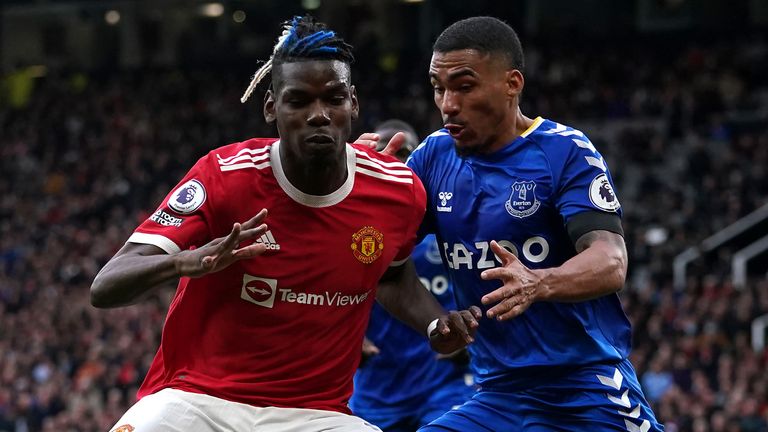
162 242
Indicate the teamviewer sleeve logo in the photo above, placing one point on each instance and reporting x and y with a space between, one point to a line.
259 291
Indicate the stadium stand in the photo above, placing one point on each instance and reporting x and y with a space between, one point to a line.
85 159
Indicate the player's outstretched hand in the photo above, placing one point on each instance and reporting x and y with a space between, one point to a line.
372 141
223 251
520 289
455 330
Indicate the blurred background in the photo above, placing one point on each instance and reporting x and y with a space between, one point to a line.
104 105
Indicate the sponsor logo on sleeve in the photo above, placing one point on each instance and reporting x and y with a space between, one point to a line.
602 195
522 201
367 244
188 197
166 219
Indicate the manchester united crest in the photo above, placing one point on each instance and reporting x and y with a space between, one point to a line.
124 428
367 244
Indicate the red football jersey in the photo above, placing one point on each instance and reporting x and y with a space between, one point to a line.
282 329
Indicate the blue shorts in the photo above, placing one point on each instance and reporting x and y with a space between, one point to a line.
594 398
434 404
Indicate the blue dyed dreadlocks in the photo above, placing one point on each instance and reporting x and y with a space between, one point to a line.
303 38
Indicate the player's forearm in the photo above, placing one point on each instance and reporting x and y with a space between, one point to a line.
597 271
128 278
406 299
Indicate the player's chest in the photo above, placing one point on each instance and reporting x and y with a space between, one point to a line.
348 245
492 198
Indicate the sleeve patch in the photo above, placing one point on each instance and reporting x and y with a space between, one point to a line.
188 197
602 195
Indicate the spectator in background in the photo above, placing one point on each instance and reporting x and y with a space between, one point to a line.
79 169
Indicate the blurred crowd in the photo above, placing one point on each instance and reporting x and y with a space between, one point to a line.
87 158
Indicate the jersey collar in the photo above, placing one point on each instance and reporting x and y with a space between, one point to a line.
306 199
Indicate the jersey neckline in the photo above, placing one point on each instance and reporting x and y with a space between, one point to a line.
537 122
306 199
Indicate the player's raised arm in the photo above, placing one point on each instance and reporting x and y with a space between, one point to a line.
402 294
138 269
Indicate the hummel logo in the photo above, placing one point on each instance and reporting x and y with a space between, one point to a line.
444 198
269 241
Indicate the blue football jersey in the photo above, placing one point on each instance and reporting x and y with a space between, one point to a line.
406 370
522 196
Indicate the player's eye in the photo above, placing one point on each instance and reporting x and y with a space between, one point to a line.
438 90
466 88
295 102
338 99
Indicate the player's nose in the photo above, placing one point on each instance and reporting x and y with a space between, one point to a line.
318 114
450 105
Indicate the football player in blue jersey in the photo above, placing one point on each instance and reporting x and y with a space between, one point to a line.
529 225
403 385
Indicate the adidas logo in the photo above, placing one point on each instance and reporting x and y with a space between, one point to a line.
269 241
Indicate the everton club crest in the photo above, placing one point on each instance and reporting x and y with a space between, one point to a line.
367 244
522 202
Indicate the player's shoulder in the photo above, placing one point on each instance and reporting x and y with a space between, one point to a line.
248 154
554 136
381 167
434 143
559 143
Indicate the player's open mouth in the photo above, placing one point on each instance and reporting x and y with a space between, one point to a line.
454 129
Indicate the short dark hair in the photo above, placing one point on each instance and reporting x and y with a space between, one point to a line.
487 35
303 39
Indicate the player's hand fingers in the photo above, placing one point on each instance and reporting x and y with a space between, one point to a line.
255 220
503 292
369 348
251 233
456 323
501 273
368 139
230 241
510 308
249 251
512 313
504 255
394 144
503 307
207 262
469 320
476 312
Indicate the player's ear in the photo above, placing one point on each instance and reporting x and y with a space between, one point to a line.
269 106
515 82
353 99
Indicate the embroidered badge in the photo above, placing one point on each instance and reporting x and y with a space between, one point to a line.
367 244
522 201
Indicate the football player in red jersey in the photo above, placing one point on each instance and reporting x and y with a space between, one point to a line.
265 327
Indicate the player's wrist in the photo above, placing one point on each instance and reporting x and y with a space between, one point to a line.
543 290
178 262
